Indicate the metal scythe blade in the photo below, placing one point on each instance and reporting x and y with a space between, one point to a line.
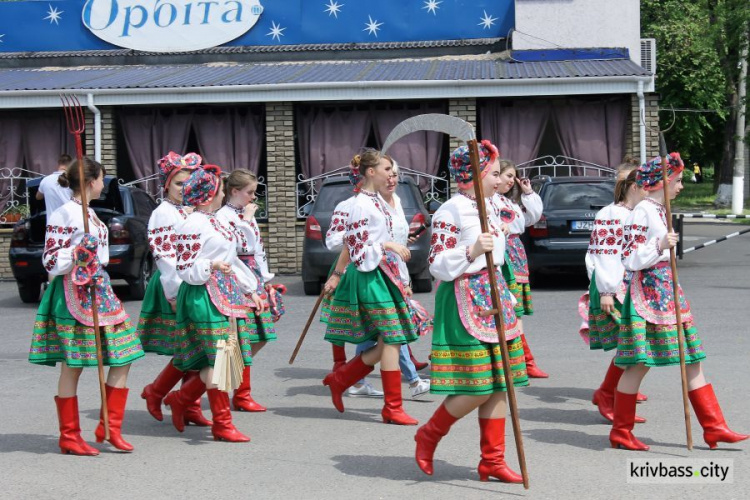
435 122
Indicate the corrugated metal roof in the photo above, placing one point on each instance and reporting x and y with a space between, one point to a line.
249 74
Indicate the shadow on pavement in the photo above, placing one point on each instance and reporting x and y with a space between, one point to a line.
556 395
560 416
290 373
358 415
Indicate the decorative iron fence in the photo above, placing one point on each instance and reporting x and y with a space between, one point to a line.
434 188
563 166
14 194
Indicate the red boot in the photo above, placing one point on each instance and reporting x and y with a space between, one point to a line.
429 435
242 400
532 369
339 356
393 411
604 396
154 392
642 398
223 429
193 414
117 397
181 401
70 428
492 444
623 423
343 378
708 411
418 365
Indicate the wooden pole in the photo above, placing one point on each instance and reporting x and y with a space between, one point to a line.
307 326
497 309
675 291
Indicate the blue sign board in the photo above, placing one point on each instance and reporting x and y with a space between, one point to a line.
180 25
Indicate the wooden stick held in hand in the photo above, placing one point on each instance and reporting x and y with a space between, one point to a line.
307 326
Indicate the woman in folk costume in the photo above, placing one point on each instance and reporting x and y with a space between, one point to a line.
369 303
467 364
212 294
64 327
156 326
239 214
516 195
648 331
609 281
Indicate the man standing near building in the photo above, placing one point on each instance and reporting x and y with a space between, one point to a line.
53 194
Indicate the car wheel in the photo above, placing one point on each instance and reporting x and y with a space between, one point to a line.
312 287
138 287
29 291
422 285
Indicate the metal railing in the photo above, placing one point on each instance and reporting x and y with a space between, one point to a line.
153 187
434 188
14 194
563 166
678 223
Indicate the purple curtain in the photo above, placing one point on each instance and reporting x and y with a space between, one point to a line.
329 136
592 131
419 151
515 127
151 134
231 137
45 138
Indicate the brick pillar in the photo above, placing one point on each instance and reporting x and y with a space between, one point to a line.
633 137
109 138
466 109
281 244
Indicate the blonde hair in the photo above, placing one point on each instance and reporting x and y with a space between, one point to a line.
238 179
369 158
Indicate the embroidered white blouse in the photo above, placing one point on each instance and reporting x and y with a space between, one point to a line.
369 228
527 213
455 228
337 229
161 240
65 231
605 248
643 230
250 242
400 233
203 238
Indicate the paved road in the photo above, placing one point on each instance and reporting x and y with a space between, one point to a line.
303 448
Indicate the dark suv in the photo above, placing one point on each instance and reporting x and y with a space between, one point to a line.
317 259
125 211
561 237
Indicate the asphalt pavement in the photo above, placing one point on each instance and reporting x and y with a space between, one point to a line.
303 448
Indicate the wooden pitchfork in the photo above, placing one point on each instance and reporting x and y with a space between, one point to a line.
675 285
76 122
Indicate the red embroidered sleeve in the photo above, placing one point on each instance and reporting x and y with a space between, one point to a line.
161 240
338 223
444 236
56 238
187 247
606 238
635 236
357 238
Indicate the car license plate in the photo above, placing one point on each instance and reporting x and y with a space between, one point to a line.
582 225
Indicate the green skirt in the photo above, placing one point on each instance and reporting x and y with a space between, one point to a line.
463 365
525 305
157 323
325 304
641 342
367 305
200 326
603 328
58 336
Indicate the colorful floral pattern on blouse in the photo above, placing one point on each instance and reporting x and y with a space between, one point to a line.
473 297
608 238
188 247
653 296
444 236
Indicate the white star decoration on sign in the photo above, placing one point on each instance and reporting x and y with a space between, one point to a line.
276 31
432 6
333 8
54 15
487 21
372 27
1 38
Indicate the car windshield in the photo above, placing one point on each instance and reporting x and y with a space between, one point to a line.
571 195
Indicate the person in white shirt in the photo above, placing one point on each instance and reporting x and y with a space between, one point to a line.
50 190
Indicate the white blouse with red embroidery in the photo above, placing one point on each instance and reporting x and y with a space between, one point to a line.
65 232
337 229
455 228
161 240
527 213
203 238
250 242
369 227
605 248
400 234
643 230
